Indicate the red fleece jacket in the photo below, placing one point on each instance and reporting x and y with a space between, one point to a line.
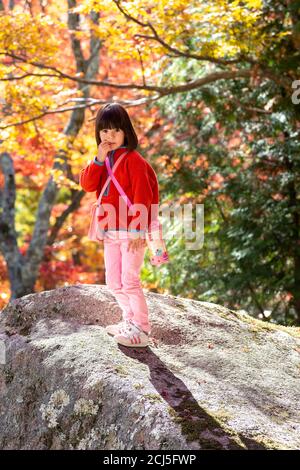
139 181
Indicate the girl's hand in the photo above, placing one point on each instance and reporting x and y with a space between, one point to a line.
136 244
103 149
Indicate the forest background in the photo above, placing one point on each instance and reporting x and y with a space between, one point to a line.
213 91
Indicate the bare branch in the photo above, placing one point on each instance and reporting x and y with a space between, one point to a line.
265 71
89 102
28 74
76 198
162 91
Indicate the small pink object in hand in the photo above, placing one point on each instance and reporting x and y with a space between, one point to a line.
159 258
156 245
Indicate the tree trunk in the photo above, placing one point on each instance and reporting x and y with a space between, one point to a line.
23 270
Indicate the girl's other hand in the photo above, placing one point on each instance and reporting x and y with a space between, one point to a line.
136 244
103 149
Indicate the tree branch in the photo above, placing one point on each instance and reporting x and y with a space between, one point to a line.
76 197
162 91
88 104
27 74
176 52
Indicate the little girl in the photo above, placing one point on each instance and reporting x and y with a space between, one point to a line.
124 247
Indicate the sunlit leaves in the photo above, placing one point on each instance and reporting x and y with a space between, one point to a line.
215 28
27 36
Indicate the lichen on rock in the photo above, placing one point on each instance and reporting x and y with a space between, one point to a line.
212 378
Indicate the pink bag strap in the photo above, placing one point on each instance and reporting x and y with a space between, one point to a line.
155 225
111 176
118 186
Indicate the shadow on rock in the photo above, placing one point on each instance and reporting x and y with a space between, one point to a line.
196 424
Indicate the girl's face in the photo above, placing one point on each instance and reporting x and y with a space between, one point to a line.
115 137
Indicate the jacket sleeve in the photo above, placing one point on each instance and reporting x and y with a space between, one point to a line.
90 176
141 187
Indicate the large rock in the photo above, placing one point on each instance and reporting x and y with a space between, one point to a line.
211 379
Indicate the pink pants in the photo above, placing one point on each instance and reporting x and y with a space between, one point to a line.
122 276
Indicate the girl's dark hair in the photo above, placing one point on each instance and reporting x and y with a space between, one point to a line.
113 115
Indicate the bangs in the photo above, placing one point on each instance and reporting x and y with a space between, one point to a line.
111 119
